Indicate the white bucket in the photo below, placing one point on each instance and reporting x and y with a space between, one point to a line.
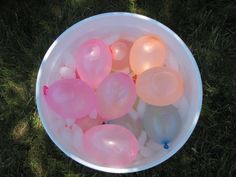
110 26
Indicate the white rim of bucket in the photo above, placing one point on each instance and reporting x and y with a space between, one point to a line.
149 164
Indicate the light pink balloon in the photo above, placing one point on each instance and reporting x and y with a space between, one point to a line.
115 96
94 61
111 145
70 98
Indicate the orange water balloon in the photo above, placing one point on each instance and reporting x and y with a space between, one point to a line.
120 54
147 52
160 86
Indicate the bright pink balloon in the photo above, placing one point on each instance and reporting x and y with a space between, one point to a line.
94 61
86 123
111 145
115 96
70 98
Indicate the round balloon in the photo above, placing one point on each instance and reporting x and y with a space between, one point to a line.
111 145
161 124
70 98
160 86
94 61
120 54
147 52
115 96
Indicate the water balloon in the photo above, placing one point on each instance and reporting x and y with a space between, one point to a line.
160 86
147 52
115 96
94 61
111 145
70 98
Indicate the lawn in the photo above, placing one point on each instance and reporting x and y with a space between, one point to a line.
28 28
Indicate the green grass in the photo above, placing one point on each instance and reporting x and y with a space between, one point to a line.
27 28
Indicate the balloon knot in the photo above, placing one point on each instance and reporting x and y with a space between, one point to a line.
134 78
166 146
77 74
45 90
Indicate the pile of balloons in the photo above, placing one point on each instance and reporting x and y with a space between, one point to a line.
101 99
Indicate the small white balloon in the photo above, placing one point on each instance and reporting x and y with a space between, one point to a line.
146 152
77 138
65 136
142 138
141 108
67 73
69 60
70 122
133 114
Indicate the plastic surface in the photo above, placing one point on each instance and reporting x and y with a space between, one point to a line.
115 96
160 86
111 145
130 27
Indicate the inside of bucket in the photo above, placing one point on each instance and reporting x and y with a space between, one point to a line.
110 31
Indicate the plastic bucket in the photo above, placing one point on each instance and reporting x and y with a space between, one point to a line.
130 26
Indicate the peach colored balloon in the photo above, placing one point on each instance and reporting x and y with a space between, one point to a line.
120 54
160 86
111 145
70 98
147 52
86 123
94 61
115 96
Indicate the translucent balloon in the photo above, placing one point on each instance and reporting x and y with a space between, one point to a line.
111 145
86 123
162 124
135 126
67 72
77 138
94 61
70 98
120 54
160 86
115 96
147 52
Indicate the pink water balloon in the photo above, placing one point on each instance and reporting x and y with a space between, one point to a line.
111 145
86 123
160 86
147 52
115 96
120 54
94 61
70 98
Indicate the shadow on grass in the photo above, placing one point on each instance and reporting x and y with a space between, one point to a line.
27 29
